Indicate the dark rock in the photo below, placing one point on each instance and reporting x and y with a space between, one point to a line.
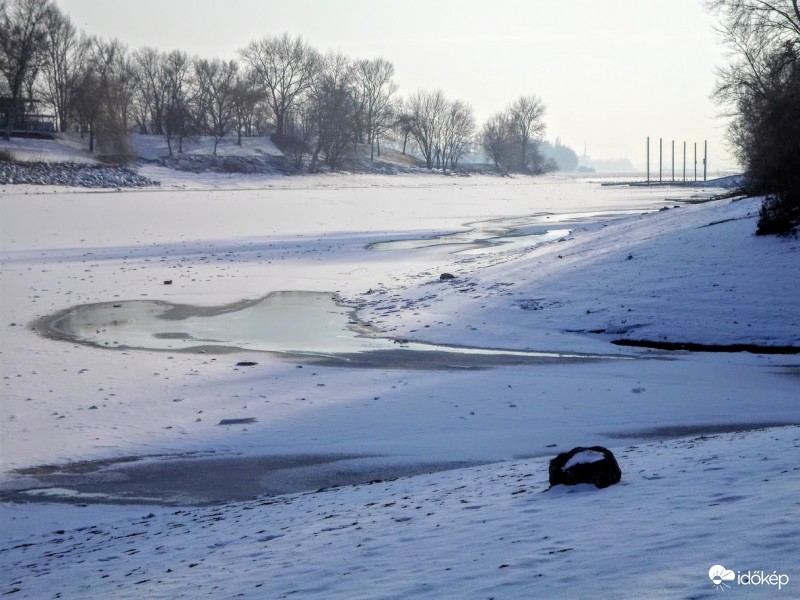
168 282
245 421
246 363
446 276
595 465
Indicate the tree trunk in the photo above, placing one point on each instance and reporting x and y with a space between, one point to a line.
12 117
62 120
280 126
315 156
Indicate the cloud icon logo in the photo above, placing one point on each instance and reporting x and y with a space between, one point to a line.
719 575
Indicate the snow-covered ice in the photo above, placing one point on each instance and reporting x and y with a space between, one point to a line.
684 426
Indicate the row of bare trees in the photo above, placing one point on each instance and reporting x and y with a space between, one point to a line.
442 128
316 105
87 82
323 103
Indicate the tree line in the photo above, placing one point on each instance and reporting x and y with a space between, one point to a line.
760 87
314 104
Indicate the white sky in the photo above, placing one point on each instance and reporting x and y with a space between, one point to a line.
610 72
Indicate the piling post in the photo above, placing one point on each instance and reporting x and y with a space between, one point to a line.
684 161
705 159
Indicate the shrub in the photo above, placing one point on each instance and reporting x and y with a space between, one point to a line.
294 147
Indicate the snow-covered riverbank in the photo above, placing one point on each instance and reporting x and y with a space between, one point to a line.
694 273
485 532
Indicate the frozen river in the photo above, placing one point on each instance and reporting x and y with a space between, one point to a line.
379 246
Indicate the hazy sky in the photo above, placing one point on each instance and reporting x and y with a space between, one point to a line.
610 72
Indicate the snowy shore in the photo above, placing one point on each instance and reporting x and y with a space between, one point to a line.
71 175
485 532
684 425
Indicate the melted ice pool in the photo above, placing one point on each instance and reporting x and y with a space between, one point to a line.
507 233
296 323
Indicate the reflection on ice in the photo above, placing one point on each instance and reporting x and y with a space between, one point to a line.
514 233
304 323
294 322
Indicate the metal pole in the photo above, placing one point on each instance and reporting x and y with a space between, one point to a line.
705 159
695 161
684 161
660 155
673 161
648 160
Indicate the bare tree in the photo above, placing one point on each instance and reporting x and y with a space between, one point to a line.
525 118
286 68
165 94
246 98
301 136
496 141
23 38
125 77
778 20
403 123
101 97
457 131
427 110
511 139
375 90
442 128
110 91
151 90
216 85
760 88
83 103
332 109
66 55
752 30
177 118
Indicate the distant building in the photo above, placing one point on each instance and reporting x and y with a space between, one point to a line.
26 122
